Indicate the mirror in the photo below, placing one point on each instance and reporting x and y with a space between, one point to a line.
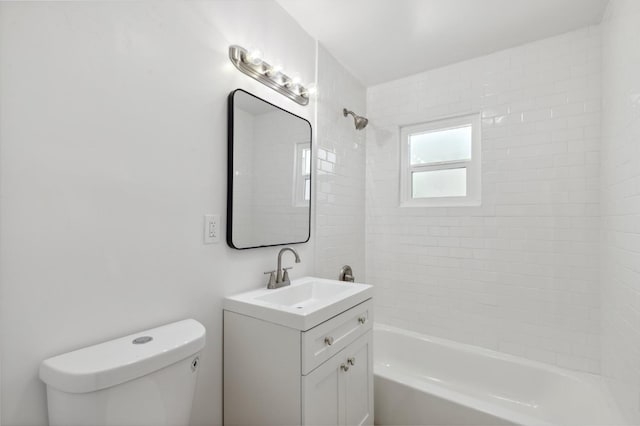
269 174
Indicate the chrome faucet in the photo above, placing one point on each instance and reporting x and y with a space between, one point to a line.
346 274
282 275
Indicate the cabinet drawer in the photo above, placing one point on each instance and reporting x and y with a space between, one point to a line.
326 339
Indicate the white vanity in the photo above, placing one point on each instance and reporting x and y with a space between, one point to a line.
300 354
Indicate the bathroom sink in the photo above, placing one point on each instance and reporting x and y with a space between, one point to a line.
302 305
305 293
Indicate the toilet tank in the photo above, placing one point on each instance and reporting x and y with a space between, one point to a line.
144 379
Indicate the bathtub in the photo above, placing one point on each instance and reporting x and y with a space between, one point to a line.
421 380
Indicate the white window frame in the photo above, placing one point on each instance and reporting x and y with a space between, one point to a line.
473 166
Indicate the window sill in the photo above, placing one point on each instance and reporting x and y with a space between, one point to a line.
442 202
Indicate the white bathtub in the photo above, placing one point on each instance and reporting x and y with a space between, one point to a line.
421 380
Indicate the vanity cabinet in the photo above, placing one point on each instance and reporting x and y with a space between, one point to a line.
339 392
274 374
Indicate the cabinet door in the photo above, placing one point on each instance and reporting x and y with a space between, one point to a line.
358 387
323 393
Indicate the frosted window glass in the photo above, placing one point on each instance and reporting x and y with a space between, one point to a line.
441 145
439 183
307 189
302 194
306 161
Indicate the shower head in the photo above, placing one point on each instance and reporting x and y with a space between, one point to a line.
360 122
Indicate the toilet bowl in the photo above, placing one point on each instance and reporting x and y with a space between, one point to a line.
144 379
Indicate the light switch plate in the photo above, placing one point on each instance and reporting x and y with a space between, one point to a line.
211 228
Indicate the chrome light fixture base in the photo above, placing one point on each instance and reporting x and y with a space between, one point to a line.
264 73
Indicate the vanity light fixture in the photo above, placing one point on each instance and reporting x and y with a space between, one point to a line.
252 64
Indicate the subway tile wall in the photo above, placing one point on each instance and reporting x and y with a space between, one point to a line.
518 274
340 171
621 204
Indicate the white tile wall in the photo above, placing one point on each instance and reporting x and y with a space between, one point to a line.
340 184
621 204
518 274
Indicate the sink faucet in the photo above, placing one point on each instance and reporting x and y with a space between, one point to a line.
282 276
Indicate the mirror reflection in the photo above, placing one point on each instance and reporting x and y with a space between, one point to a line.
269 174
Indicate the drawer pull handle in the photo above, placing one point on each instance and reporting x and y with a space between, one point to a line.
328 340
362 320
344 367
351 361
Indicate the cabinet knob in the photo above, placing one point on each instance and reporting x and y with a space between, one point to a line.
351 361
362 319
344 367
328 340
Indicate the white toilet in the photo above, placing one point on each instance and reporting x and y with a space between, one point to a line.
145 379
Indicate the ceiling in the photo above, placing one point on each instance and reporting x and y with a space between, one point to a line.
382 40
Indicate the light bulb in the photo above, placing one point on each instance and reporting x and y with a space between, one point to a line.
274 70
308 91
254 56
312 89
292 83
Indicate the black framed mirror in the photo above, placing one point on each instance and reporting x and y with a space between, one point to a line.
269 174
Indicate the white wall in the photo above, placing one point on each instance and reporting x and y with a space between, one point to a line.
112 147
520 273
340 184
621 204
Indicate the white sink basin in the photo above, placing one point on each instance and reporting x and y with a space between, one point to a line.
302 305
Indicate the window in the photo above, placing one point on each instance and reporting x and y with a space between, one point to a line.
441 163
302 175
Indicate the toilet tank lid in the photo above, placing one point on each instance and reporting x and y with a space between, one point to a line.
117 361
